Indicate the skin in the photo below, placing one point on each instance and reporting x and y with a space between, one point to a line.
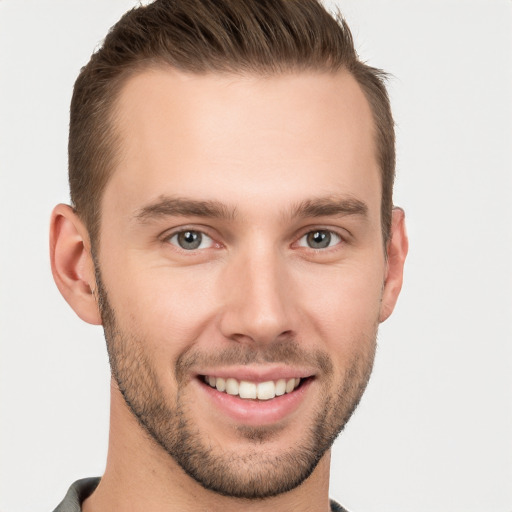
259 149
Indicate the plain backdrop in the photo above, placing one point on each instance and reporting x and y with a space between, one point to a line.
434 430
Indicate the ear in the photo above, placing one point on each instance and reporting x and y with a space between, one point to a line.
72 263
397 248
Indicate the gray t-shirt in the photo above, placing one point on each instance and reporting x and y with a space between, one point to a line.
82 489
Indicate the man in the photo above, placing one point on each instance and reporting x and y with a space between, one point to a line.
231 168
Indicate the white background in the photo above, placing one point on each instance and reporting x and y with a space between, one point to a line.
434 431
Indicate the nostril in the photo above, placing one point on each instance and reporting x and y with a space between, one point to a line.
242 338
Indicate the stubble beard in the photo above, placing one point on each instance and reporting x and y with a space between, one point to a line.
259 472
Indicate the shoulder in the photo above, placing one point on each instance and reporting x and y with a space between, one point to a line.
336 507
76 494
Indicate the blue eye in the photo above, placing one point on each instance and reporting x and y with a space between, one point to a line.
190 240
319 239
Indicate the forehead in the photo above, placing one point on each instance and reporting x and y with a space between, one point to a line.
223 137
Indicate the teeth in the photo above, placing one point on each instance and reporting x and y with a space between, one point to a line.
266 390
247 389
290 385
231 386
251 390
280 387
220 384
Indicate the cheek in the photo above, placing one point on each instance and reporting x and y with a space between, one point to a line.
165 308
342 306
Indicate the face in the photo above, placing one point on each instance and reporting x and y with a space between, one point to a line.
241 268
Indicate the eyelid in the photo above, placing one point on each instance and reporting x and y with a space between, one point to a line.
206 230
342 233
168 234
322 249
205 240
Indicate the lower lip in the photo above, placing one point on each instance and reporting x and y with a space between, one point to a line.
257 412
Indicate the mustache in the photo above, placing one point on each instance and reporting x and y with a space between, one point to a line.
281 351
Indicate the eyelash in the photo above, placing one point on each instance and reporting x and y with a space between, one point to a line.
168 239
331 234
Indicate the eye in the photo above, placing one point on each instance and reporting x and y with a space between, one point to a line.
190 240
319 239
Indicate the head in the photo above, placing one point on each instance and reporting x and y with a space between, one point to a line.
231 170
263 38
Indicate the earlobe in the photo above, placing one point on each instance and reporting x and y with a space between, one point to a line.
72 264
397 248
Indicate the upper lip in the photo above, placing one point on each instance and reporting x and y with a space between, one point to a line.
258 373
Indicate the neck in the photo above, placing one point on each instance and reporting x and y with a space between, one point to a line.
141 476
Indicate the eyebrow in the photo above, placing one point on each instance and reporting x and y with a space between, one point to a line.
166 206
331 206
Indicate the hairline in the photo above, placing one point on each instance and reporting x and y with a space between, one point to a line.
113 118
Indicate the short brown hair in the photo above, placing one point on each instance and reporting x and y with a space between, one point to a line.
201 36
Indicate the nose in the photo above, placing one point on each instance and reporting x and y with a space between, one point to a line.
258 299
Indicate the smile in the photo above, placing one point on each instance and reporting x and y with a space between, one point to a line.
253 390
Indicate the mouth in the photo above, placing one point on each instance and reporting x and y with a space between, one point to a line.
256 397
248 390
